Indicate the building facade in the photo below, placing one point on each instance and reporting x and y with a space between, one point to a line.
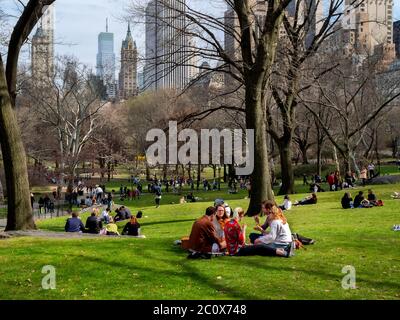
168 58
128 84
106 62
42 51
396 37
368 25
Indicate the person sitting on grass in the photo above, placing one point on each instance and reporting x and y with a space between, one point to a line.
309 200
88 202
93 223
277 242
190 197
121 215
372 197
358 199
235 235
203 239
132 228
287 204
258 227
347 201
112 228
74 224
105 216
219 221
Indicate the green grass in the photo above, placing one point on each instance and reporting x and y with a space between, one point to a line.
154 268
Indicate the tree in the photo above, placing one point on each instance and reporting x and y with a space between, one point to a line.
356 95
251 67
70 104
19 216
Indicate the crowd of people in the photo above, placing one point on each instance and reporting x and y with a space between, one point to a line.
105 224
219 231
360 201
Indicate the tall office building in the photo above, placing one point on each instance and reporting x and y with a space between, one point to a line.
369 25
169 55
42 53
128 84
106 62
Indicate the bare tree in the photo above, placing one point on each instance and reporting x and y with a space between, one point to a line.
251 66
18 194
70 104
356 97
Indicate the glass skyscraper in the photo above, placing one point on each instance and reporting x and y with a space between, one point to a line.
106 62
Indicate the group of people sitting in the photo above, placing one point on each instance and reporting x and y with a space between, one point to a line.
360 201
105 224
218 232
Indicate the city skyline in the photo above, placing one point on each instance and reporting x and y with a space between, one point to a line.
80 37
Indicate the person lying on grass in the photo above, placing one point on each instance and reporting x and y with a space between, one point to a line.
203 238
395 195
312 199
277 242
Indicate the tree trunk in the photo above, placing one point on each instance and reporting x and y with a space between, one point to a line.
1 192
19 215
147 172
225 174
198 175
335 158
286 168
165 170
319 159
255 119
304 150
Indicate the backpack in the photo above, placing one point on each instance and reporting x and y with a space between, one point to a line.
379 203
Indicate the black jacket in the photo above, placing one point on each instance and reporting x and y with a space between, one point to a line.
131 229
93 225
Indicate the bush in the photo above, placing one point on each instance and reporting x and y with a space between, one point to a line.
307 169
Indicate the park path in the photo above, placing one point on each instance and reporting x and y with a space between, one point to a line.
50 215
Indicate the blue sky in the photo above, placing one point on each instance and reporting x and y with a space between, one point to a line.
78 23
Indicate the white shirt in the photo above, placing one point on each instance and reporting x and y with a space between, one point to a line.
287 204
104 214
279 233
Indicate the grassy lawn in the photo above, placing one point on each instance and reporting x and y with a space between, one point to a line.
154 268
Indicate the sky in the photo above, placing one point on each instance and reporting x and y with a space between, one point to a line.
78 23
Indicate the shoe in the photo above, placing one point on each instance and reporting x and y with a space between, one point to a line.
290 250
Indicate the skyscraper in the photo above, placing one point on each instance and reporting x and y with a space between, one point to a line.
106 61
369 24
169 56
128 85
42 53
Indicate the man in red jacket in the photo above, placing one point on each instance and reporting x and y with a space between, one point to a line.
331 181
